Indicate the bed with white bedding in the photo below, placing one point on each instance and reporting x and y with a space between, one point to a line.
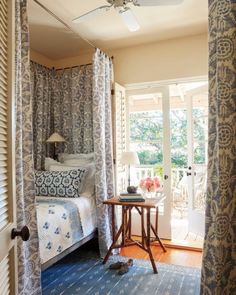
66 210
63 223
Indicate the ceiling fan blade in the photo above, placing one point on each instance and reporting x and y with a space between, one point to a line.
91 14
129 19
157 2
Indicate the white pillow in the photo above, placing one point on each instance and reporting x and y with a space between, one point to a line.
64 157
88 185
48 162
78 162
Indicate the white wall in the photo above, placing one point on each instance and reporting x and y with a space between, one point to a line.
169 59
172 59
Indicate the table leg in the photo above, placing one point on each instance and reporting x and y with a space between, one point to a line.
124 222
130 222
113 244
142 227
156 224
113 222
158 239
148 241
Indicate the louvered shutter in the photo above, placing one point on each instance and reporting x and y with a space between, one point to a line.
3 116
119 112
5 276
7 204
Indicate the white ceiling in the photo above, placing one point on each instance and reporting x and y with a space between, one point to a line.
108 31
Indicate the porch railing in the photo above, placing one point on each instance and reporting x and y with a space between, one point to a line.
179 184
144 171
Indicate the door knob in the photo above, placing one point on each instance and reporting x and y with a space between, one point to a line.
23 233
165 177
188 167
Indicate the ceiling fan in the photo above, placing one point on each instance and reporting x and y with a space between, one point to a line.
121 6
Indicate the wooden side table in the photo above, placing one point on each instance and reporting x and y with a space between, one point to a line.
125 228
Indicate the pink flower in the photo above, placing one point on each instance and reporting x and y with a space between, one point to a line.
157 181
150 184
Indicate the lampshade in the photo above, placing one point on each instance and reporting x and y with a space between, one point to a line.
55 137
129 158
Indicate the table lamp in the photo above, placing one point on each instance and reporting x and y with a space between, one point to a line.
55 138
129 158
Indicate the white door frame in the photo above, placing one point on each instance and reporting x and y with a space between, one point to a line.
165 220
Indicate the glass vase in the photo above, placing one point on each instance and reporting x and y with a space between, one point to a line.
149 195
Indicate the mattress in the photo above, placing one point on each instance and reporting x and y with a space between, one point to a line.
62 222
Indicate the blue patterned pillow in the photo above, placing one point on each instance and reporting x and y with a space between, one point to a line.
59 183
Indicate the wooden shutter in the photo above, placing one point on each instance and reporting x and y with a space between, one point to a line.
7 201
119 131
5 276
3 116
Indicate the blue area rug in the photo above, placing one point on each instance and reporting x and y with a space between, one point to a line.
82 272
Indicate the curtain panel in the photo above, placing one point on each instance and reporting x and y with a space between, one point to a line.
42 103
62 102
29 270
102 136
219 256
73 108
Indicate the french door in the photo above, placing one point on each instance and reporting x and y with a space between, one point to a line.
150 107
168 130
197 109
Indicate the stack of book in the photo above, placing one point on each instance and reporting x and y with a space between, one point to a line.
134 197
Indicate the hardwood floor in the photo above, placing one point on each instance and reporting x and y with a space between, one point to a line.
172 256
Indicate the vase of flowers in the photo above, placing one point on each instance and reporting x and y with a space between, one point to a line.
149 186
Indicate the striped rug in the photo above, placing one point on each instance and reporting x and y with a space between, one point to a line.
82 272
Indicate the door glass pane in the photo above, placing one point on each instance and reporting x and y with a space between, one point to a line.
179 155
146 136
200 139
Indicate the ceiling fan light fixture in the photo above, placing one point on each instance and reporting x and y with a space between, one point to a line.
129 19
125 12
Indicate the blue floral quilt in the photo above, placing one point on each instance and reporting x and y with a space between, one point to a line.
59 225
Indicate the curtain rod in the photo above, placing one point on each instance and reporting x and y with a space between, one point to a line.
64 23
67 68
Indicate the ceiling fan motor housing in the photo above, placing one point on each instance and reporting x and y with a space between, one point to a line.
119 3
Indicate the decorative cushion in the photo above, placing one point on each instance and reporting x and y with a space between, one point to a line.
88 187
59 183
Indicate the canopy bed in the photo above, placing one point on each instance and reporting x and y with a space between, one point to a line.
70 193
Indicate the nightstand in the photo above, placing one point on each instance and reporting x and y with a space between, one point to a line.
125 229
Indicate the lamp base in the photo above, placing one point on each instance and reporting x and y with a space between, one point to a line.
132 189
55 157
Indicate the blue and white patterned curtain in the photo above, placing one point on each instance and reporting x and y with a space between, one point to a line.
73 108
29 271
102 136
62 102
219 256
42 104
